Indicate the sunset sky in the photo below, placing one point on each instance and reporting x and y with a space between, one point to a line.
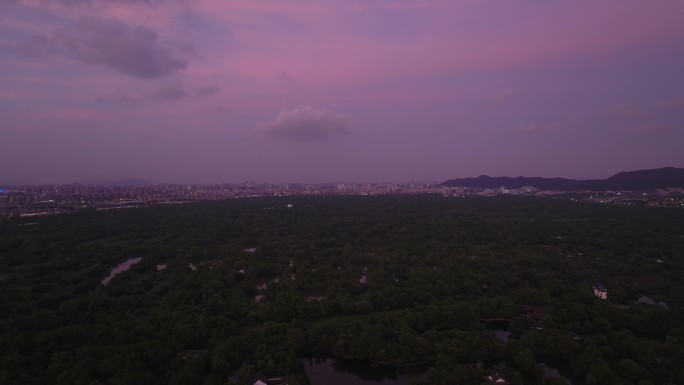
355 90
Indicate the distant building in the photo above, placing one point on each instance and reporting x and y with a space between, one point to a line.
600 291
497 378
574 336
263 380
191 354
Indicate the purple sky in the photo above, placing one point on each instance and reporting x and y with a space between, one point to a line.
354 90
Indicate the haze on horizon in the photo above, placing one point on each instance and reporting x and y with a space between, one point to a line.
200 91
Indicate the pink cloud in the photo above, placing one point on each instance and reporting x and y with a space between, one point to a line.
672 104
622 110
504 97
331 50
651 127
450 49
48 118
535 128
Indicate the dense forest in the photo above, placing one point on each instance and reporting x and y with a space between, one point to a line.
257 284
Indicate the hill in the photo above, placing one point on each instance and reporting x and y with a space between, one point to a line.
631 180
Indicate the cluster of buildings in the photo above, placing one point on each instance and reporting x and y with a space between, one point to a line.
36 200
671 197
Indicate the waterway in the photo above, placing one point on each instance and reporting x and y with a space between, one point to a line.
121 268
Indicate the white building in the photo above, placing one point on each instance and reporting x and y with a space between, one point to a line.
600 291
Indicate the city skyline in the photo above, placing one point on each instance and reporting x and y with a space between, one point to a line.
203 91
666 173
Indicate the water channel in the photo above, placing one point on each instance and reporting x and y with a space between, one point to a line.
122 267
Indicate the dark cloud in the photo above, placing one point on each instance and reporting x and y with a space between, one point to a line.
208 90
108 43
306 124
171 91
71 3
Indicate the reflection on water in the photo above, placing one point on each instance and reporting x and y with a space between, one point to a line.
122 267
327 371
649 301
500 328
503 335
552 372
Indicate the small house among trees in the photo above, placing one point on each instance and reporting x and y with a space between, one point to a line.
600 291
497 378
263 380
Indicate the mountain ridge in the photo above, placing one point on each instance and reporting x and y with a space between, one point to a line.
651 179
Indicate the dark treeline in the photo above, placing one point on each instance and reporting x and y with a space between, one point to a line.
434 268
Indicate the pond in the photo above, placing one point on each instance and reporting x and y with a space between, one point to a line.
551 369
503 335
328 371
499 327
